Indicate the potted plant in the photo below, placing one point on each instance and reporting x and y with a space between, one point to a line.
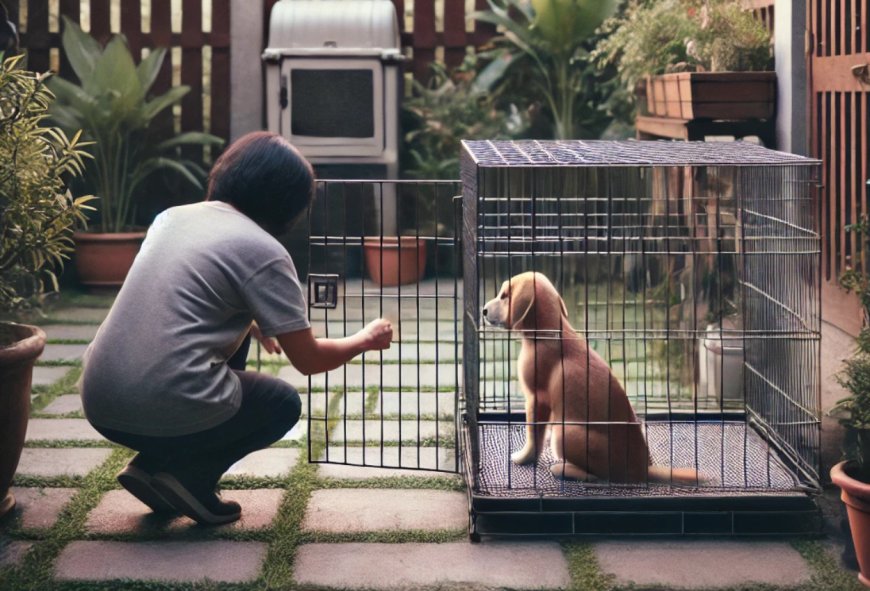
693 59
37 218
112 105
853 474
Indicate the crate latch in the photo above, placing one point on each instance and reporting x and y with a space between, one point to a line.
323 290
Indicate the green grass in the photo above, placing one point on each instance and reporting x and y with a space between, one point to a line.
65 385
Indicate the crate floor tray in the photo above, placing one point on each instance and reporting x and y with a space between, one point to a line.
752 491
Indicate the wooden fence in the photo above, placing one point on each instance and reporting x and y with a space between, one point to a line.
199 53
839 45
199 42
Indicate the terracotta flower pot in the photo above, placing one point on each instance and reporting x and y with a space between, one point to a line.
16 376
103 260
394 260
856 496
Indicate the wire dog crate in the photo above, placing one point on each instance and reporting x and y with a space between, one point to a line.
690 269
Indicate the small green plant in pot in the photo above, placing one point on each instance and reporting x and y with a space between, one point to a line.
853 474
37 218
113 106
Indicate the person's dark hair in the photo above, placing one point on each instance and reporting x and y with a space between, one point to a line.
262 175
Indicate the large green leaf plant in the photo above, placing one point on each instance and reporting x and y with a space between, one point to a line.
113 106
38 214
544 52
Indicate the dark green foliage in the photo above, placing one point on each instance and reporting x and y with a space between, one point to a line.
37 213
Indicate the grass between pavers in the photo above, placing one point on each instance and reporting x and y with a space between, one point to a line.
284 537
65 385
35 572
60 363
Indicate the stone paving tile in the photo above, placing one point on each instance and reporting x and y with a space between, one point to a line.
388 430
458 565
69 429
275 461
70 332
119 512
64 404
430 458
394 403
68 461
218 560
39 508
298 432
67 353
12 552
694 564
389 376
46 376
79 314
426 403
360 510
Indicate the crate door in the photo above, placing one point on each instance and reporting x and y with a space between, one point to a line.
386 249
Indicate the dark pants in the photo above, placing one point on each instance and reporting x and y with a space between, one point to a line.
269 408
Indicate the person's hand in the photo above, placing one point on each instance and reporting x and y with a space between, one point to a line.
270 344
378 335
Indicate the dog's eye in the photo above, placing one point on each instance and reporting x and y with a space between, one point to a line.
503 295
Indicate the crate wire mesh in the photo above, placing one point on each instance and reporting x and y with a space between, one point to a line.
394 408
691 268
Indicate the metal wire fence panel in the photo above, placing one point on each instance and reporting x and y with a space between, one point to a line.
689 271
386 249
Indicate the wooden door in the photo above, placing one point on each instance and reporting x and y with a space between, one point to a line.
838 44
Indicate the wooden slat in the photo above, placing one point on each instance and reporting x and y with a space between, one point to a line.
454 32
424 37
220 73
400 13
72 9
854 171
854 32
827 26
844 193
161 36
824 113
101 26
191 73
131 27
834 73
37 30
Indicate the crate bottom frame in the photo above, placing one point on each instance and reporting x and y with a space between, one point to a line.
754 512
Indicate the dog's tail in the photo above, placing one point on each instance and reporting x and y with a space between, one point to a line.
669 475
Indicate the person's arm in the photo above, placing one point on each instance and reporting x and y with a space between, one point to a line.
312 355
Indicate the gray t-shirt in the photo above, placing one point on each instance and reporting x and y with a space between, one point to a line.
157 365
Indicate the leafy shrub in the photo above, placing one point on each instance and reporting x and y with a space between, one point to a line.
37 213
542 62
854 410
658 36
446 111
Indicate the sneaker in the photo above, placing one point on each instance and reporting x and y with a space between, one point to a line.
203 507
138 483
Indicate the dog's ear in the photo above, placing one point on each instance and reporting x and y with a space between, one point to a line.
522 299
564 309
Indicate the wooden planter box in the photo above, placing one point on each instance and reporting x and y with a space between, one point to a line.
712 95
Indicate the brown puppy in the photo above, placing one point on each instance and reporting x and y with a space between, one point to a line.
594 433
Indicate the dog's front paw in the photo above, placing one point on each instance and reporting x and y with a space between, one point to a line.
524 456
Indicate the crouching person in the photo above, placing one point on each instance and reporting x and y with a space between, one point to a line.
165 374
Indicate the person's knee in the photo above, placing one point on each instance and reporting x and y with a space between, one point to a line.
292 407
